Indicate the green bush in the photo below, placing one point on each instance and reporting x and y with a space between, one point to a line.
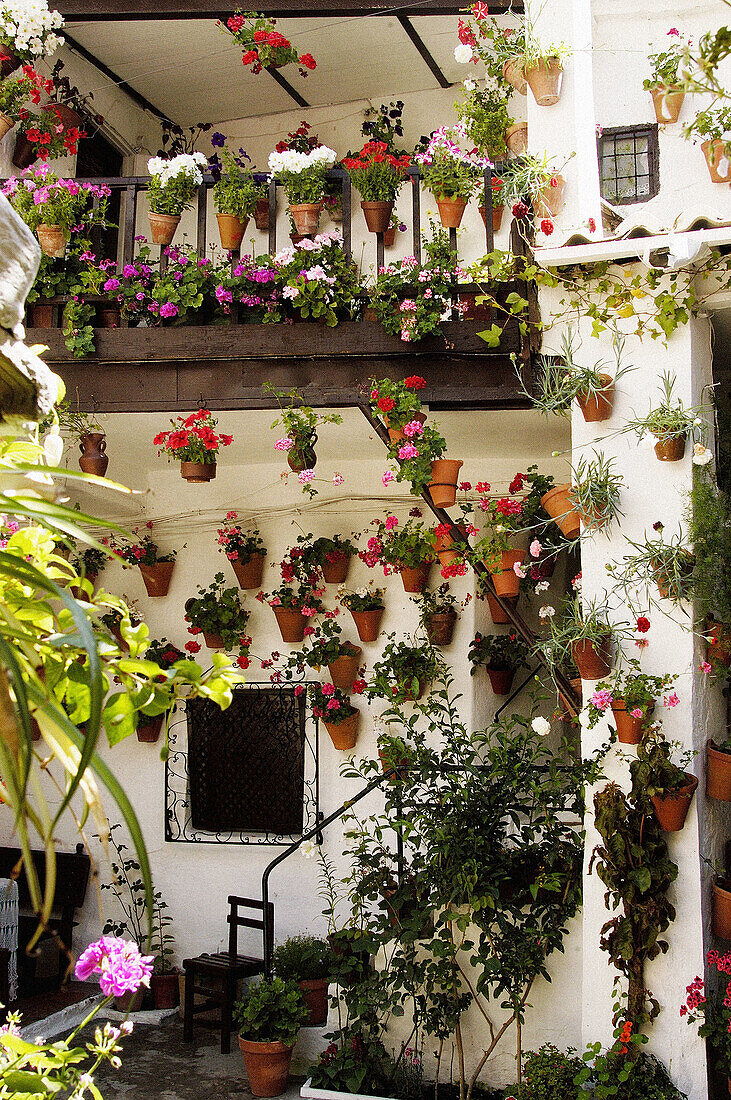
271 1012
549 1074
303 959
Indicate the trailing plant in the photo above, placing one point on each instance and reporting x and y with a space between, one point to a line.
264 47
653 771
300 598
324 646
164 653
576 621
42 198
303 958
218 610
411 459
562 380
174 182
142 552
411 300
328 703
271 1011
17 90
78 329
385 123
596 491
669 420
501 519
403 671
193 438
331 550
436 601
399 546
127 888
638 691
524 178
181 289
504 652
237 543
669 564
48 136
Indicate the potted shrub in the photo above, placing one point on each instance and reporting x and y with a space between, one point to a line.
663 84
173 184
714 124
710 1009
17 91
366 606
397 403
216 612
333 557
156 568
438 614
269 1017
657 780
308 961
579 633
632 696
404 671
561 380
378 175
194 443
407 549
502 655
166 655
543 69
327 648
264 46
235 194
451 175
299 423
484 113
670 423
303 176
596 491
293 607
244 549
340 718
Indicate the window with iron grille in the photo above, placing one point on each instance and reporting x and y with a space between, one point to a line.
629 168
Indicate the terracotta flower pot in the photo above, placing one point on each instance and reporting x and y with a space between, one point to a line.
52 240
597 407
629 728
40 316
516 138
496 612
501 680
545 80
249 573
368 623
65 114
93 459
667 101
550 197
670 448
6 124
559 507
303 457
396 435
291 623
165 989
497 216
671 809
344 669
261 214
592 660
157 577
148 731
505 579
411 697
388 761
9 63
162 228
416 579
718 773
514 73
451 210
377 215
344 734
267 1066
445 546
24 153
130 1002
717 159
306 217
335 572
198 471
314 991
389 237
108 315
212 640
443 486
231 231
722 910
440 627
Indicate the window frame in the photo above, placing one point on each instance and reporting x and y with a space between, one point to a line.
649 129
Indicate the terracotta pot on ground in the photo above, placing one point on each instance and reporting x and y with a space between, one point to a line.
501 680
667 102
496 612
198 471
592 659
148 732
440 627
671 809
157 577
545 80
267 1066
261 214
344 734
52 240
6 125
10 62
559 507
550 197
130 1002
368 623
291 623
629 729
314 991
397 434
344 669
505 579
597 407
717 159
722 910
451 210
497 216
249 574
40 316
516 138
93 459
212 640
443 486
306 217
24 153
416 579
377 215
165 989
718 773
162 228
231 231
335 572
670 448
514 73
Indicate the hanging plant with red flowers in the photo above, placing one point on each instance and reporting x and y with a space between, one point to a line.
193 438
264 47
376 173
49 139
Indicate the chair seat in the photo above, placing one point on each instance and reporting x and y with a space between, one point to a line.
243 965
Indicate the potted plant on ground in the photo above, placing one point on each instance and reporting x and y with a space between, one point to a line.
166 655
657 781
194 443
596 491
484 113
217 614
244 549
581 633
299 423
451 175
404 671
366 606
378 175
561 380
502 655
269 1017
308 961
340 718
438 614
397 403
710 1011
17 91
235 194
333 557
407 549
632 696
303 176
670 423
173 184
164 979
156 568
327 648
663 84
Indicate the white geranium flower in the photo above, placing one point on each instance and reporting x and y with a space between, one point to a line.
541 726
701 455
547 611
309 849
469 85
462 53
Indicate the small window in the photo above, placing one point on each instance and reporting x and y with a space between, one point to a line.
629 164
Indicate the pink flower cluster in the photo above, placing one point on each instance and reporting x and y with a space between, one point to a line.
118 962
602 699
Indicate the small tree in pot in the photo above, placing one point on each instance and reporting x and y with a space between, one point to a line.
502 655
309 962
269 1017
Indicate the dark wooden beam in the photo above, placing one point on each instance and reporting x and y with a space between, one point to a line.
424 52
291 92
123 10
121 84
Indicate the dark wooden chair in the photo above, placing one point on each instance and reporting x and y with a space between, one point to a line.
216 977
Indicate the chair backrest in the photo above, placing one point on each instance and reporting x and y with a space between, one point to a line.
236 920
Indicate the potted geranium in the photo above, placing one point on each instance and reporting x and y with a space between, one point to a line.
655 778
27 33
378 175
710 1011
326 647
663 84
397 402
404 671
264 47
89 563
333 557
17 91
308 961
293 607
366 606
484 112
52 206
419 459
43 138
303 176
670 422
300 423
451 175
166 655
244 549
217 613
172 186
406 548
156 568
438 614
269 1017
339 716
235 194
632 696
502 519
502 655
194 443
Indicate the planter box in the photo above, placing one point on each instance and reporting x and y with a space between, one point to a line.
307 1092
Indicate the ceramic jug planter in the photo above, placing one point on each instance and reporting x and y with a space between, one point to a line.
94 459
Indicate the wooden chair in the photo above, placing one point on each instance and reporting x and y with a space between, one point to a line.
216 977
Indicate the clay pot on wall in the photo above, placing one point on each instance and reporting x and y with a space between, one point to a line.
291 623
514 73
6 125
497 216
368 623
516 138
198 472
440 627
306 217
443 487
597 407
213 640
157 577
550 197
671 809
497 614
670 448
314 991
451 210
416 579
592 658
722 909
718 773
396 435
24 153
667 101
165 989
261 214
559 507
629 728
249 573
9 63
505 579
501 679
162 228
344 669
52 240
231 231
545 80
717 159
336 572
344 734
93 459
148 731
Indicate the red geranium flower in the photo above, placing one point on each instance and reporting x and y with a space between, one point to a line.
308 61
193 647
643 624
547 226
385 404
414 382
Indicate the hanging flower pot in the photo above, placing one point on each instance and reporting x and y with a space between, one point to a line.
722 909
671 809
231 231
717 159
416 579
443 486
148 731
162 228
504 578
108 315
93 458
501 680
291 623
24 153
377 215
719 642
397 435
497 216
249 573
344 734
314 991
667 101
306 217
368 623
198 471
9 62
302 455
550 197
440 627
545 80
157 577
445 545
336 572
497 614
559 507
267 1066
6 125
629 727
52 240
344 669
597 407
670 448
261 214
516 138
212 640
718 773
514 73
592 658
65 114
451 209
389 237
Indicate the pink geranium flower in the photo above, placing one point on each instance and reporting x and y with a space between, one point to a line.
120 966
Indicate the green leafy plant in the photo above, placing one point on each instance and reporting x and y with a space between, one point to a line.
638 691
669 564
78 329
503 652
713 124
332 549
365 598
665 65
549 1075
709 521
525 177
325 646
16 90
448 171
411 459
174 182
403 671
91 562
328 703
396 401
376 173
436 601
303 175
218 610
625 1071
562 380
653 771
236 192
398 546
596 491
128 890
144 551
575 622
484 112
669 420
302 958
271 1011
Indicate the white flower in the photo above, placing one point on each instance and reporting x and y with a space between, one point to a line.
469 85
542 586
293 162
541 726
463 53
53 448
309 849
547 611
697 421
584 718
519 570
701 455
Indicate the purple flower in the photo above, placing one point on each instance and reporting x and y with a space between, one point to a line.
218 140
120 966
112 284
141 238
168 309
129 271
